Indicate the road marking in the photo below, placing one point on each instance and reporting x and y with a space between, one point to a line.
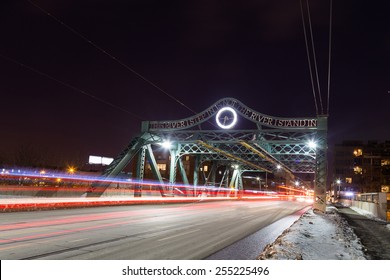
78 240
247 217
177 235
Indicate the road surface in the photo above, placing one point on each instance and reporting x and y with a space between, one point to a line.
154 232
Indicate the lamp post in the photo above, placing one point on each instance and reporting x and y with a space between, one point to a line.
258 179
338 182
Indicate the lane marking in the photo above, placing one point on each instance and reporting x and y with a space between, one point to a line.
177 235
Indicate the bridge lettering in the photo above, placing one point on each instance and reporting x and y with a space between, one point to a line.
244 110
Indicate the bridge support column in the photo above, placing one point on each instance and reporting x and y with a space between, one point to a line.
172 169
183 171
321 168
236 182
140 171
154 167
196 173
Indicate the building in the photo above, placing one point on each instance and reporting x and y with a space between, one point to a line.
362 166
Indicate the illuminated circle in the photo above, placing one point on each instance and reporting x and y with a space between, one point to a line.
226 118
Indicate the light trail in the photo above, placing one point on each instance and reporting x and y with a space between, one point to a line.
58 177
55 190
181 231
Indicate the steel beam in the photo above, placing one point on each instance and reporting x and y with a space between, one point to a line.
321 165
154 167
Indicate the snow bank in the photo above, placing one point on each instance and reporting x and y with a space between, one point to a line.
316 236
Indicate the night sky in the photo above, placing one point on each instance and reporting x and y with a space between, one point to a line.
65 98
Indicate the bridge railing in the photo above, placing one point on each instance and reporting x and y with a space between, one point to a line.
376 203
367 197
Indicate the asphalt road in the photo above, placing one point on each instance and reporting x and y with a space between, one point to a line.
154 232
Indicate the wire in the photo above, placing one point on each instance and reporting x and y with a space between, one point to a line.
330 52
70 86
314 57
111 56
308 58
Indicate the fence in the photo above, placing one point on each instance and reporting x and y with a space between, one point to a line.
376 203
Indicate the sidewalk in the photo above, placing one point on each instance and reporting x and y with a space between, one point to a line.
374 234
339 234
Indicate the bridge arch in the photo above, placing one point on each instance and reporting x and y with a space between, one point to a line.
276 144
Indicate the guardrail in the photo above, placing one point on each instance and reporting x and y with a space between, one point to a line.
376 203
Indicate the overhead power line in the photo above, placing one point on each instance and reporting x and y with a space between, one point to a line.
111 56
314 57
315 79
70 86
330 52
308 58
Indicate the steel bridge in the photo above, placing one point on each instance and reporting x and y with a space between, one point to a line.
287 146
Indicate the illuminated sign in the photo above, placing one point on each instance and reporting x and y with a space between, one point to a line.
235 108
226 118
100 160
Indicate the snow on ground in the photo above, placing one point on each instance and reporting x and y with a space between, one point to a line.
368 215
365 213
316 236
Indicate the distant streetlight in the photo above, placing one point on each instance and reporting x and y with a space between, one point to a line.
71 170
338 182
58 180
258 179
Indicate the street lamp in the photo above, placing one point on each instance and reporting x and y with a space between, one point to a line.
258 179
312 144
166 144
338 182
71 170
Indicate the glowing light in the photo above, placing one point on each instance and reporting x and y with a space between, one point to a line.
100 160
71 170
106 160
278 167
166 144
358 152
225 119
95 160
312 144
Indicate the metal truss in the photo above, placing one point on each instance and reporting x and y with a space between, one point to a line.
276 143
